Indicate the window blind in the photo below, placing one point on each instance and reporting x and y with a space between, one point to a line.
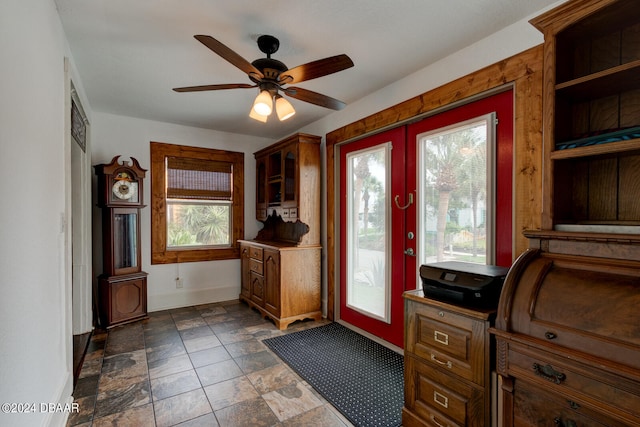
198 179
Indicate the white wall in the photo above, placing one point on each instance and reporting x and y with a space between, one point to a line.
35 301
204 282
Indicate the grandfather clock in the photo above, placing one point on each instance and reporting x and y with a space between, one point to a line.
122 287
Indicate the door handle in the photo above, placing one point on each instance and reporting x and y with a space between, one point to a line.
409 251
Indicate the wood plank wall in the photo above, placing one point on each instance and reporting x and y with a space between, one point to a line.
524 73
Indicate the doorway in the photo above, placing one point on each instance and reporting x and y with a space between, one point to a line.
394 214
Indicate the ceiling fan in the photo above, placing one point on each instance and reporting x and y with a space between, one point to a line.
270 76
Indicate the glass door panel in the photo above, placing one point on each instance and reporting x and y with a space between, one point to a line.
368 287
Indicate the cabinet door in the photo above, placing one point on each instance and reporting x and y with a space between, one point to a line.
261 189
290 174
257 289
272 281
245 289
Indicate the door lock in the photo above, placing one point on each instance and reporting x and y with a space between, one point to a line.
409 251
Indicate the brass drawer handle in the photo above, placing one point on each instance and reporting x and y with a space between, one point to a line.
441 337
440 362
433 419
441 399
547 372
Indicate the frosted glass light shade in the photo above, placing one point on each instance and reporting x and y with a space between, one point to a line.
284 108
263 104
256 116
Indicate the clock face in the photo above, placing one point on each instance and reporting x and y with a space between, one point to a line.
125 190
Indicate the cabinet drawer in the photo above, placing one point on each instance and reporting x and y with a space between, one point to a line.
256 266
448 341
440 399
534 406
581 385
255 253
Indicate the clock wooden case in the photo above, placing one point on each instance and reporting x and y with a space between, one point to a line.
122 287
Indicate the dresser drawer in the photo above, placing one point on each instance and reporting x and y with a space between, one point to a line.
440 399
535 406
255 253
256 266
449 341
582 386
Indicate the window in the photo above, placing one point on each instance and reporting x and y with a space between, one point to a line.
457 187
197 199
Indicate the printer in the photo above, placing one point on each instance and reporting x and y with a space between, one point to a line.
464 283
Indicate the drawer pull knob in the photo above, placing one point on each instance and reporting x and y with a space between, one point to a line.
441 399
569 423
547 372
550 335
440 362
441 337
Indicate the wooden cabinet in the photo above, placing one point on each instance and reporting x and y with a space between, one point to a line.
568 328
288 190
591 115
281 281
448 358
281 266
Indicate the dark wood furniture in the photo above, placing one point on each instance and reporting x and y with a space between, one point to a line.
568 326
281 266
122 288
448 362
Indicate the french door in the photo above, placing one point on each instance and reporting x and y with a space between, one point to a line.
412 195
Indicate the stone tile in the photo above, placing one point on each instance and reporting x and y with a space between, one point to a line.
220 325
140 417
201 343
272 378
86 406
174 384
122 371
180 408
162 337
208 420
217 372
236 335
230 392
171 365
197 332
165 351
291 400
124 361
120 399
243 348
254 413
256 361
86 386
124 339
317 417
209 356
190 323
211 310
90 368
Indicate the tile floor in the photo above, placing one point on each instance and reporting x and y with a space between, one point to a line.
195 366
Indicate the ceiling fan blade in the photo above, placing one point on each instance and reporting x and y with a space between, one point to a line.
315 69
229 55
213 87
314 98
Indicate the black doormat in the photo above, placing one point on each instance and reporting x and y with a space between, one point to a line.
361 378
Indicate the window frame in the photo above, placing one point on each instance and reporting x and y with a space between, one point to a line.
160 254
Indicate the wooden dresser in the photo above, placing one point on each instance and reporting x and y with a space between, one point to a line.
448 362
568 323
281 267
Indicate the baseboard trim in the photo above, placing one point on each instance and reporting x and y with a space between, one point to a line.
188 297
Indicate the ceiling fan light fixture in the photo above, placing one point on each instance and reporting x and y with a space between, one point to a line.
263 105
284 108
256 116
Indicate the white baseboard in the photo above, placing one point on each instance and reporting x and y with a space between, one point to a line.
59 411
189 297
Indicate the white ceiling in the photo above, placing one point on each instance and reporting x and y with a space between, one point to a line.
130 54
